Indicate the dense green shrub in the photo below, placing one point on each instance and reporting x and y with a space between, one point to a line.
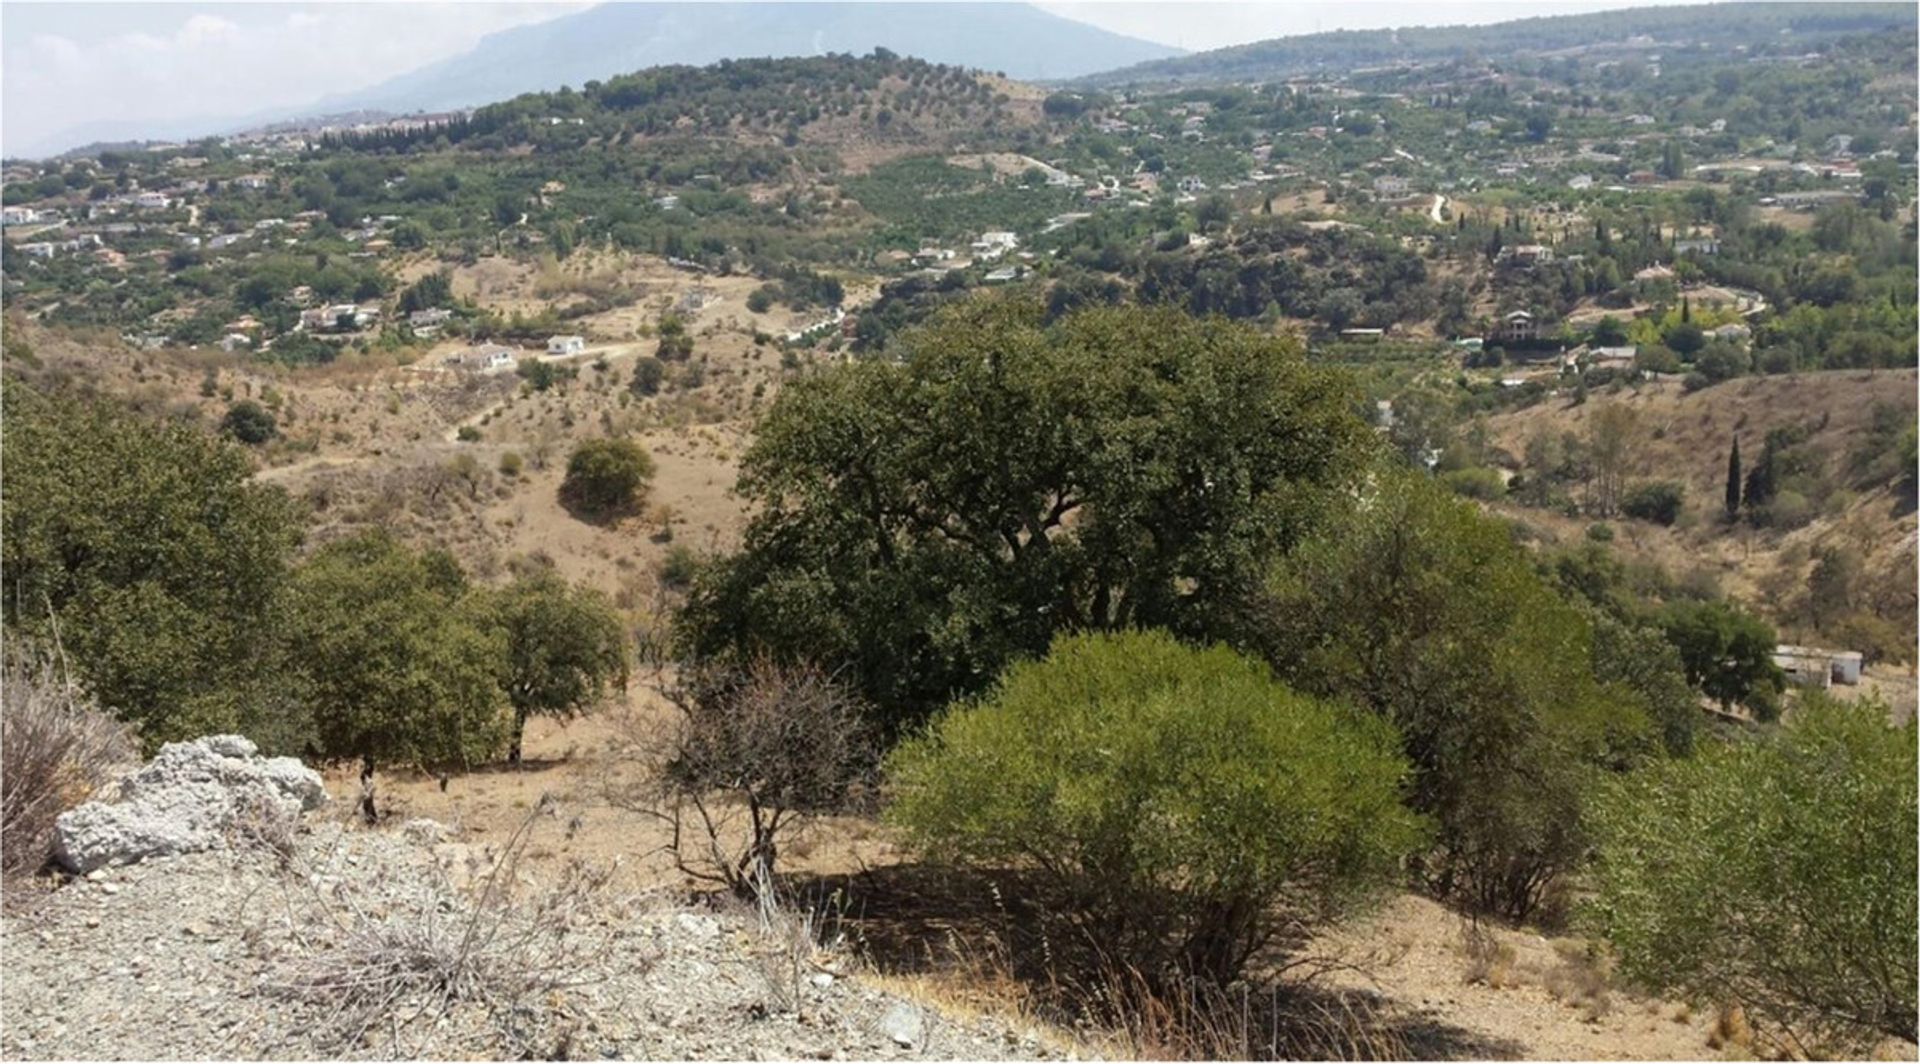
1659 501
676 343
1639 658
249 422
1727 653
1720 361
153 556
648 373
1423 610
1777 873
1476 483
541 375
606 478
1179 800
678 567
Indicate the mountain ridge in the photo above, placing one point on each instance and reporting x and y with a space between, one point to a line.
1730 24
1019 40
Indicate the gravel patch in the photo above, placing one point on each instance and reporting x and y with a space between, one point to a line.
363 944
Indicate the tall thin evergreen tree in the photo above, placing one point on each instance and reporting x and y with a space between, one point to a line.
1733 480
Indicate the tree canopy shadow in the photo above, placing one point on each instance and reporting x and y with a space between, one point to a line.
920 919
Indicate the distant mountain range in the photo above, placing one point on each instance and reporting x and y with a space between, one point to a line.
1721 25
1019 40
1016 39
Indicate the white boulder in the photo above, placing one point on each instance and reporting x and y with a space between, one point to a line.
185 799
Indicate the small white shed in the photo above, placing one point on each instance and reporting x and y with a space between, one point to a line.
1846 667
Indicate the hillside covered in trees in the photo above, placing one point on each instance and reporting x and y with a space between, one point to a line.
1698 26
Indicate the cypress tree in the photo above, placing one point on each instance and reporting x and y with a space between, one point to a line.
1733 480
1760 485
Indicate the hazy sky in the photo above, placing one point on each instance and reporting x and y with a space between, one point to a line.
69 64
112 66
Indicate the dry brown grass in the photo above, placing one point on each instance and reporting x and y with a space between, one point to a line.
1731 1032
1583 978
1200 1021
1490 962
56 749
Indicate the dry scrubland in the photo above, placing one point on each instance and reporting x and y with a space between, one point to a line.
243 953
1685 436
195 940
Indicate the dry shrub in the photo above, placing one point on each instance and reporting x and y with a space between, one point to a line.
56 749
1731 1030
756 752
268 825
1583 978
796 942
391 957
1490 962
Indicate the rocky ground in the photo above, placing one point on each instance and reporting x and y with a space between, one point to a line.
353 943
219 907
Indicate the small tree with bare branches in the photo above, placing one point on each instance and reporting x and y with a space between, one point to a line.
756 750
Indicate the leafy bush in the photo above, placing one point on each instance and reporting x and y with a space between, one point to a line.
1640 658
1654 358
541 375
1777 873
1658 501
606 478
511 464
468 434
1477 483
154 556
1726 651
677 569
676 343
1787 511
1423 610
249 422
1173 797
56 749
648 373
1721 361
